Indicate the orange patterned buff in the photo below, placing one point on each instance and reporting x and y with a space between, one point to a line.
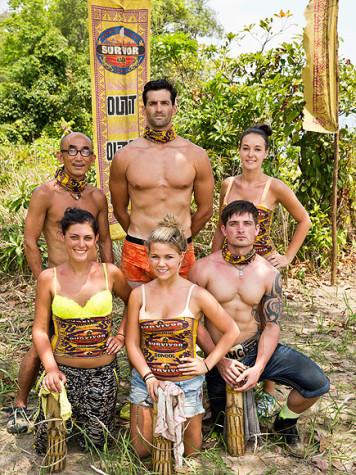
81 337
70 184
160 136
264 244
237 260
164 342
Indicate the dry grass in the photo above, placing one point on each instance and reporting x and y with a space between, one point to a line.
318 321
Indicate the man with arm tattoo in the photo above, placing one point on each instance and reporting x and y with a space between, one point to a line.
249 288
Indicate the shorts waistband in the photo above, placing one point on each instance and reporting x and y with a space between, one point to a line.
141 242
239 351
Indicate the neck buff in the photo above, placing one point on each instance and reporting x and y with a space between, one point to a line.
70 184
160 136
237 260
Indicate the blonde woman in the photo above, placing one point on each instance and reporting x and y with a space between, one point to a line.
163 318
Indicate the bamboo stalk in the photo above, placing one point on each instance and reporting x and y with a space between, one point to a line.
334 251
235 422
161 451
57 447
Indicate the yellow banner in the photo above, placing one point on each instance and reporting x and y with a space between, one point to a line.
319 75
119 35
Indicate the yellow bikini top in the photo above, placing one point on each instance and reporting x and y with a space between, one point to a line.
98 305
263 244
81 331
165 341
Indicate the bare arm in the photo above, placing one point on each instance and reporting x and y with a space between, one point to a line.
214 312
271 307
287 198
122 289
34 223
119 189
203 193
40 331
105 244
133 346
218 238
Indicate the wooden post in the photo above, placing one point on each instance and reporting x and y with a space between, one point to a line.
161 451
334 254
57 448
235 434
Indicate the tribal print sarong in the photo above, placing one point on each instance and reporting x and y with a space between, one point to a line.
92 393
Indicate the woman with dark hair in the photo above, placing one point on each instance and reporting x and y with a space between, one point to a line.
265 193
162 325
77 297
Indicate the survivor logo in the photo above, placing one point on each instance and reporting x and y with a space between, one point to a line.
120 50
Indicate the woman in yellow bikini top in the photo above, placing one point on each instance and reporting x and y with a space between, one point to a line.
161 336
266 193
81 331
77 296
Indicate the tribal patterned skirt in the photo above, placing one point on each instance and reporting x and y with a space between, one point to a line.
92 393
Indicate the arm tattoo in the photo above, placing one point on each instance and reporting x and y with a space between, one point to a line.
271 303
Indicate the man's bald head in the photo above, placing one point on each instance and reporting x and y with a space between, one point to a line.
66 139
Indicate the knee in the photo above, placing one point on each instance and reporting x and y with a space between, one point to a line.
321 383
192 447
33 355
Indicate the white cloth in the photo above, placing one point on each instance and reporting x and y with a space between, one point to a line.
170 418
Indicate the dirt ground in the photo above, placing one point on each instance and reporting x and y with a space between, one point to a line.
319 320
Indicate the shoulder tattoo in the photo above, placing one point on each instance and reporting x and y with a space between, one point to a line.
271 303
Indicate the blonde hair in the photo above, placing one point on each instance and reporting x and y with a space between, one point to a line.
168 232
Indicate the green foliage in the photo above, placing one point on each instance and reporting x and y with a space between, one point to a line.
39 69
266 86
22 170
191 17
12 256
44 82
22 199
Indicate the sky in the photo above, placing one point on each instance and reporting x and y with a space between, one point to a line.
235 14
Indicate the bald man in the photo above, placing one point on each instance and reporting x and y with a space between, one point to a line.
68 189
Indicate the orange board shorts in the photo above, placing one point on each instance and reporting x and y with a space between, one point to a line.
135 264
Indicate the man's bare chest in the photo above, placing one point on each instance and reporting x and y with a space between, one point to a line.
172 171
62 200
231 288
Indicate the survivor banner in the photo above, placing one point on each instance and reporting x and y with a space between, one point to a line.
319 75
119 35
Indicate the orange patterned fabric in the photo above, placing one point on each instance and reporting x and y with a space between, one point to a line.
164 342
264 244
81 337
136 267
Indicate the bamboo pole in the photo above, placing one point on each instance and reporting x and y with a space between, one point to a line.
161 451
334 252
57 447
235 434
